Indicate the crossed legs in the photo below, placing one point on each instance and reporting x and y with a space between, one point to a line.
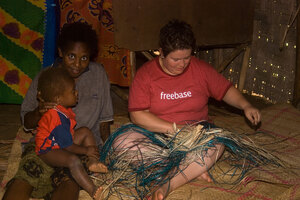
197 169
194 170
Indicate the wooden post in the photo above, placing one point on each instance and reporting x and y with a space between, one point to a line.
123 94
132 64
232 56
244 68
218 57
296 97
147 55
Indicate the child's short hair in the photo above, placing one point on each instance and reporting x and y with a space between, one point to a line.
52 83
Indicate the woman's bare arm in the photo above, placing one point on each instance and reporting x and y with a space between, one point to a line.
151 122
234 98
105 130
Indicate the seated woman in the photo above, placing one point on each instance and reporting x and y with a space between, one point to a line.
77 46
173 88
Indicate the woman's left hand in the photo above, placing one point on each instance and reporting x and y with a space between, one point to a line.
253 114
234 98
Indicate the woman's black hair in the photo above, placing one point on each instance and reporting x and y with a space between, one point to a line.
176 35
78 32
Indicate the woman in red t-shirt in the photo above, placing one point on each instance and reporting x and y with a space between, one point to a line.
175 88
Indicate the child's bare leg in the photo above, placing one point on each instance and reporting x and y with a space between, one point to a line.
193 171
83 136
62 158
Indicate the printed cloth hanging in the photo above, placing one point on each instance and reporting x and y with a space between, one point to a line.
98 13
22 33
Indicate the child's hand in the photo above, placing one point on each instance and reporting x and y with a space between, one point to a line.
92 151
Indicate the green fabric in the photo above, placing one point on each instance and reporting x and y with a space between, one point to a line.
31 65
35 172
22 28
25 12
9 96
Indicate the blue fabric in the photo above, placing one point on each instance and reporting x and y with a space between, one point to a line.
62 133
51 23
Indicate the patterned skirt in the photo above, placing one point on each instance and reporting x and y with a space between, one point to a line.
43 178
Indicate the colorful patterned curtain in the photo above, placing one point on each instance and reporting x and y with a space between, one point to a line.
98 13
22 33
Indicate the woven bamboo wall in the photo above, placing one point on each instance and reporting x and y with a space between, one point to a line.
271 71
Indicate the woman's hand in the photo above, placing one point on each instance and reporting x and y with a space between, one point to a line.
177 127
45 106
234 98
151 122
32 118
252 114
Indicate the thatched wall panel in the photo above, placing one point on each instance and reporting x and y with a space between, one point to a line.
217 22
271 71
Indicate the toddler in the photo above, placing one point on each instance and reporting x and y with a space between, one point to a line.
57 143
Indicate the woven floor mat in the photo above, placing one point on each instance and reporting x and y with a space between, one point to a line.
279 133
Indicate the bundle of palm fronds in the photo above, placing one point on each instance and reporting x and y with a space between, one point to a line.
153 160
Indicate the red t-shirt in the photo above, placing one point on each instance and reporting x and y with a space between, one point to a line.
55 130
178 98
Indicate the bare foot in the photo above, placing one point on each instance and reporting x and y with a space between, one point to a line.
97 194
161 193
96 166
158 195
205 176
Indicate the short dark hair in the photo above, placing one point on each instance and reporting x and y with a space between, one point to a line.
52 83
176 35
78 32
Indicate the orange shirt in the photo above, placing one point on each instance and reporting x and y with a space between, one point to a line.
55 130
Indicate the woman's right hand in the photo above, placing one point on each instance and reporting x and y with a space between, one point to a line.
151 122
32 118
44 106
